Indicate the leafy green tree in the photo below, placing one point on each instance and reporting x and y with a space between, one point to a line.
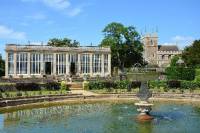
2 66
65 42
191 54
174 60
124 43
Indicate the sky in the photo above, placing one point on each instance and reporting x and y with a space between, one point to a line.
36 21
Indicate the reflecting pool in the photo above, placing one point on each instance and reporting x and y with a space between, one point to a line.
102 118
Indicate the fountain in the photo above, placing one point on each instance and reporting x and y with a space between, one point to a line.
143 106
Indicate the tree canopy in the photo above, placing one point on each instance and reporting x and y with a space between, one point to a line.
191 54
174 60
2 66
65 42
125 44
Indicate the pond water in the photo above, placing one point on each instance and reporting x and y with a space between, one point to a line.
102 118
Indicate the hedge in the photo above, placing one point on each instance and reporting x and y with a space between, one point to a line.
124 84
30 86
180 73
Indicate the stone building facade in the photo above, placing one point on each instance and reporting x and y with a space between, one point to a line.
37 61
156 54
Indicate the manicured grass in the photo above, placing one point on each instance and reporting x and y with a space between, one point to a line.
14 94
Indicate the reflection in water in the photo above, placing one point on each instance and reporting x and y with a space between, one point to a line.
1 121
101 118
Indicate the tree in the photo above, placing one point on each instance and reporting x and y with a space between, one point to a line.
65 42
2 66
191 54
125 45
174 60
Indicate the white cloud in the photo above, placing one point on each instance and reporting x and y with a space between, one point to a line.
74 12
64 6
182 38
181 41
57 4
8 33
37 16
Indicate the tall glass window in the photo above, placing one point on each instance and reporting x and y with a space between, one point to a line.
35 63
73 60
105 63
10 63
85 63
48 57
96 63
60 64
22 59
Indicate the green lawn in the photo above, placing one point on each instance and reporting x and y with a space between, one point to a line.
13 94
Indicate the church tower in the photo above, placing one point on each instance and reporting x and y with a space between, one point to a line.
150 42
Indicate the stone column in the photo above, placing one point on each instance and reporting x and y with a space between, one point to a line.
29 64
102 65
41 64
91 69
54 63
6 65
79 64
15 64
67 64
109 64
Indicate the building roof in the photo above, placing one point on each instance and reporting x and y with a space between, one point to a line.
41 48
167 48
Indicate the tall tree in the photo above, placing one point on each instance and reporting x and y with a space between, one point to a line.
65 42
124 43
191 54
2 66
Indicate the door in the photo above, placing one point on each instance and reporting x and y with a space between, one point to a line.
72 68
48 68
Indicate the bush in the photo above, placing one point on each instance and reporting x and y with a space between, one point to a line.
174 84
1 95
135 84
197 78
157 84
180 73
52 86
85 85
7 87
27 86
124 84
197 72
19 94
190 85
63 85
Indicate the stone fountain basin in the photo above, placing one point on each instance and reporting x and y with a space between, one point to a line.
143 103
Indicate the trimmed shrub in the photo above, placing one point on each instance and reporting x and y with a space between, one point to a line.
135 84
63 86
197 78
19 94
180 73
7 87
197 72
27 86
1 95
124 84
52 86
190 85
85 85
174 84
157 84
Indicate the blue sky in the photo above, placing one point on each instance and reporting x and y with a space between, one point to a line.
36 21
